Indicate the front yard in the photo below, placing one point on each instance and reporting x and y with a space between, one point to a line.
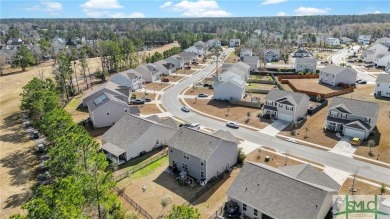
199 90
185 72
147 109
173 77
260 86
157 86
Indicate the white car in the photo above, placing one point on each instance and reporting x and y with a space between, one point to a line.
185 109
235 125
195 126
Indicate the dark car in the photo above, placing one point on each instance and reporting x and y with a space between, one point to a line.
195 63
34 134
363 82
267 116
202 95
147 100
165 80
137 101
185 125
187 68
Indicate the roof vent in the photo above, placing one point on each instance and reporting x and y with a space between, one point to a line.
246 189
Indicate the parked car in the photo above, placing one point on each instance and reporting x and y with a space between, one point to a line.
35 134
138 101
185 125
368 65
358 81
356 141
195 63
185 109
41 148
202 95
187 68
267 116
363 82
147 100
165 80
195 126
234 125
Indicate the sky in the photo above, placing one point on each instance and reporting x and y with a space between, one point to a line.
186 8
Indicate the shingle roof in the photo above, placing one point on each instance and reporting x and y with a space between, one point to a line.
383 78
294 97
225 135
169 122
276 194
93 105
245 50
108 87
306 60
194 142
113 149
356 107
357 124
251 59
334 70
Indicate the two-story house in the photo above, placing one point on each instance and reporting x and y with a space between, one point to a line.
129 78
133 135
111 88
213 43
364 39
253 62
188 57
384 41
245 52
354 118
202 155
241 69
150 72
229 86
271 55
165 67
334 75
302 53
305 65
381 60
373 51
301 191
234 43
286 105
382 88
176 60
333 41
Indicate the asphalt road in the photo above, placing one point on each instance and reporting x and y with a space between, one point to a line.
172 105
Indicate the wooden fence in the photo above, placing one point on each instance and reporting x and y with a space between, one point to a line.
133 203
257 91
281 77
247 103
258 81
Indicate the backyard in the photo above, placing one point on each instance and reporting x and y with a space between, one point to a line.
312 85
260 86
199 90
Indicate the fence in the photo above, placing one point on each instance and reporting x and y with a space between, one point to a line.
218 212
281 77
140 166
219 177
257 91
247 103
318 107
258 81
133 203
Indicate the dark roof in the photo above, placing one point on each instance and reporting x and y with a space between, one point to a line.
334 70
195 142
356 107
104 98
169 122
383 78
294 98
187 54
277 194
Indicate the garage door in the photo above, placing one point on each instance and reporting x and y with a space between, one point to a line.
354 133
285 117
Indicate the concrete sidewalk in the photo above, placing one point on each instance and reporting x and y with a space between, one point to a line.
275 127
337 175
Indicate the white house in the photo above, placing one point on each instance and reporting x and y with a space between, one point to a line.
334 75
213 43
234 42
305 65
333 41
240 69
229 87
384 41
150 72
129 78
382 88
253 62
302 53
364 39
197 49
387 69
188 57
245 52
381 60
133 135
176 60
271 55
372 52
165 67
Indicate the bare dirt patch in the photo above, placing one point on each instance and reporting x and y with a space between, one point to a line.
174 78
156 86
313 86
199 90
362 188
147 109
186 72
144 95
232 58
275 159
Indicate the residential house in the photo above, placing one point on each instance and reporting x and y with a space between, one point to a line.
213 43
109 87
176 60
302 53
346 40
241 69
77 40
200 43
334 75
381 60
271 55
165 67
133 135
262 191
305 65
333 41
384 41
234 42
150 72
245 52
14 41
286 105
201 49
382 88
353 118
364 39
202 155
188 57
253 62
372 52
129 78
107 109
229 86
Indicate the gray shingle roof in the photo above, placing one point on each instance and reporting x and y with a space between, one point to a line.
277 194
357 124
356 107
169 122
334 70
383 78
92 105
294 97
251 59
194 142
225 135
113 149
305 60
108 87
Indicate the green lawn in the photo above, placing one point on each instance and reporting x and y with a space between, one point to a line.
73 104
150 168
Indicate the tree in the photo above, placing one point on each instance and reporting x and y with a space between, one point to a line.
23 58
165 202
382 189
241 156
371 144
183 212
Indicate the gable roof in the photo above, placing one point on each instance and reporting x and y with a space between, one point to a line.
169 122
301 50
272 50
195 142
305 60
357 124
251 59
108 87
245 50
383 78
277 194
225 135
294 98
104 98
187 54
124 78
356 107
335 70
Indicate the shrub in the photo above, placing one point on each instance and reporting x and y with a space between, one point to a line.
241 156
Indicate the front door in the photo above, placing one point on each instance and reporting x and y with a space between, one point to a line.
174 164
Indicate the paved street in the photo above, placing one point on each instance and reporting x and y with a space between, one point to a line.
172 105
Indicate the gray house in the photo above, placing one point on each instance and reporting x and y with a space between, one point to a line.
262 191
230 86
245 52
176 60
305 64
111 88
302 53
334 75
150 72
354 118
234 42
202 155
132 135
129 78
165 67
271 55
253 62
188 57
286 105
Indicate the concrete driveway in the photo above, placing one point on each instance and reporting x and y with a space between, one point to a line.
275 127
344 147
337 175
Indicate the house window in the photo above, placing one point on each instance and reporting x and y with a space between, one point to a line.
378 85
243 206
333 114
201 174
171 150
290 108
368 120
255 212
186 156
202 162
126 110
185 167
343 115
280 105
108 113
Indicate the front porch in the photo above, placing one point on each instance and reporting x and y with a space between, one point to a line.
115 154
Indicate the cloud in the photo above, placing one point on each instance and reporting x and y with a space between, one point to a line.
166 4
124 15
374 12
303 11
282 13
271 2
101 4
200 8
47 6
101 8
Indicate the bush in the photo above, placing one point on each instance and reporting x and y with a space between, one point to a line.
241 156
